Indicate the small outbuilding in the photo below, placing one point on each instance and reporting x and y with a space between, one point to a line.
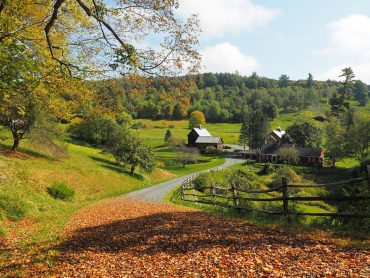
201 138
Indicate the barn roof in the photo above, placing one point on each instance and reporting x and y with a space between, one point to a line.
202 132
208 139
303 151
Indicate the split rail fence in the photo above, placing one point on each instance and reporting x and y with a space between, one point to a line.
215 193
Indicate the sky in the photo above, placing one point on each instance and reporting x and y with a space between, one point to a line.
274 37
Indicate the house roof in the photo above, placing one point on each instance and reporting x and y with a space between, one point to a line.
202 132
279 133
208 139
303 151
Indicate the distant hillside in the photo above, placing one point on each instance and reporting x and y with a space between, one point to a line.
222 97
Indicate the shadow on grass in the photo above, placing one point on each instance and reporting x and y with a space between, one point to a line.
108 164
23 153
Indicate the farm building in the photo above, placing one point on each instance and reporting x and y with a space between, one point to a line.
275 136
201 138
306 156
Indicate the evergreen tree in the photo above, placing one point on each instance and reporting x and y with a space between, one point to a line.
283 81
167 136
310 81
258 129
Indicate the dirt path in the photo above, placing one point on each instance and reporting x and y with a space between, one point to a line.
123 237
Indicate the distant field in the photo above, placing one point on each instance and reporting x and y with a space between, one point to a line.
154 131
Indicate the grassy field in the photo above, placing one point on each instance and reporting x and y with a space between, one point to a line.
26 175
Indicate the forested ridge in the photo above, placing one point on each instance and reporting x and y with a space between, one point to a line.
223 97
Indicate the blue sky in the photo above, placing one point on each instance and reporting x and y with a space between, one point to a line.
293 37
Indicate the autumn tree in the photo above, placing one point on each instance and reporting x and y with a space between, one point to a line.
196 118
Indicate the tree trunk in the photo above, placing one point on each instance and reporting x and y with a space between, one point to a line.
334 160
15 145
183 165
132 170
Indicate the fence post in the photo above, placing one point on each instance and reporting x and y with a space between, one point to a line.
235 197
213 190
285 199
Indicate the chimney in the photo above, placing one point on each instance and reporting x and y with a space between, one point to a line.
278 128
200 126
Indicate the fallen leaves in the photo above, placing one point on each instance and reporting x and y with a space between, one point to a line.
125 238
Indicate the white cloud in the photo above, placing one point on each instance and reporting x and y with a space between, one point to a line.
227 16
349 46
225 57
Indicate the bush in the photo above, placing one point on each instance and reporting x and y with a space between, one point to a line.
212 150
171 126
289 173
202 180
267 169
60 190
13 207
94 129
138 125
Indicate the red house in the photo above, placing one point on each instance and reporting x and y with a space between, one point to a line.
306 156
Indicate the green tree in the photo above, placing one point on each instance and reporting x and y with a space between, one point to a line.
289 155
244 135
335 137
186 155
179 112
167 136
359 136
196 118
258 129
283 81
339 101
310 82
306 135
361 92
129 149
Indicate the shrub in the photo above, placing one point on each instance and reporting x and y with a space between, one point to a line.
202 180
212 150
60 190
138 125
94 129
171 126
267 169
287 172
13 207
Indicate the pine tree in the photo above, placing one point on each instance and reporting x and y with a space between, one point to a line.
167 136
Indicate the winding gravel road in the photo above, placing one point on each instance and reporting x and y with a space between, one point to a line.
156 193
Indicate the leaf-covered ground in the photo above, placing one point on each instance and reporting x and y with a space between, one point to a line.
123 237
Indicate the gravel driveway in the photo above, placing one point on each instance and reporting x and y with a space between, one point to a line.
156 193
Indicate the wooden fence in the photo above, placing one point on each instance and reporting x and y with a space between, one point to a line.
215 193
